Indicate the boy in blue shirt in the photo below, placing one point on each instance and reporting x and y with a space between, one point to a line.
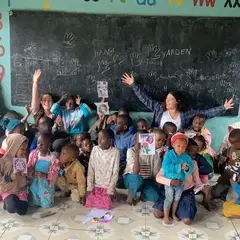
123 139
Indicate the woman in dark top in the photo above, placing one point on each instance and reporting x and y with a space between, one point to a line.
173 109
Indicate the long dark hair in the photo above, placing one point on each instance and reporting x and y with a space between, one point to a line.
182 106
41 112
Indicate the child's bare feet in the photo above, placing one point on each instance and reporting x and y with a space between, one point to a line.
176 218
166 221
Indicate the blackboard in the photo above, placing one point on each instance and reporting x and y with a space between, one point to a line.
199 56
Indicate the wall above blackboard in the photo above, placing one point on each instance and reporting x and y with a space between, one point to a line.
199 56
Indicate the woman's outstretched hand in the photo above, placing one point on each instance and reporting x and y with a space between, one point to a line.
37 75
129 80
229 104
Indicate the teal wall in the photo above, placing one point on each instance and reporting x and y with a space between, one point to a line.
218 126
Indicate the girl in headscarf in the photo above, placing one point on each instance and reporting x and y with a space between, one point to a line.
13 186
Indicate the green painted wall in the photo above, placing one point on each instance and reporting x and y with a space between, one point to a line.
221 8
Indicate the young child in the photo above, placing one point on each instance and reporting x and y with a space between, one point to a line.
71 177
202 150
170 129
141 170
84 155
160 142
58 125
123 139
43 169
177 164
125 112
72 116
204 169
225 143
43 128
142 124
11 126
103 122
78 139
103 172
229 162
13 186
199 129
203 166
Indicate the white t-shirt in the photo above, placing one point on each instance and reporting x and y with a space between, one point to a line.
167 118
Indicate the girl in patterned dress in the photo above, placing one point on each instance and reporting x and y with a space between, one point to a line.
43 169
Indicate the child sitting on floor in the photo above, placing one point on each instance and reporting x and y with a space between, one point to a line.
203 166
177 164
71 177
225 143
229 164
103 172
123 139
202 150
199 129
43 169
84 155
141 170
13 186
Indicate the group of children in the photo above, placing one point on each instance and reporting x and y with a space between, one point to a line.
89 166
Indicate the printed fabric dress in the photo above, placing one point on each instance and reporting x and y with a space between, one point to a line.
43 170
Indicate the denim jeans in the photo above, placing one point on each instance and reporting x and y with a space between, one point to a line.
172 194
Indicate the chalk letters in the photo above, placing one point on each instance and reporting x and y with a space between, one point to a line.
232 3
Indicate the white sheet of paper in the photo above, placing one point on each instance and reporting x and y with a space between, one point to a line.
102 107
147 142
95 213
102 89
20 165
190 134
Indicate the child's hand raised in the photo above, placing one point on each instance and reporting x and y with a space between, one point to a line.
28 110
58 121
185 167
37 75
129 80
64 96
78 100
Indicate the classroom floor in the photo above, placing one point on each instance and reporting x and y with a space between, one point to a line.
128 223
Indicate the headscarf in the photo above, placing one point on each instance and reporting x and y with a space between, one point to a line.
9 124
14 142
